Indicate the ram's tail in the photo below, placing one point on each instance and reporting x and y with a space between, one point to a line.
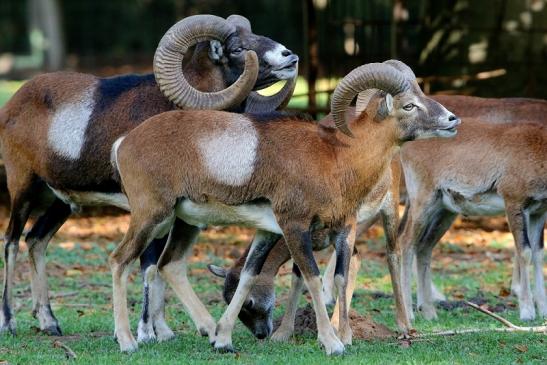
114 157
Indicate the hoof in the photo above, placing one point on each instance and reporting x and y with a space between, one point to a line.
203 332
7 326
127 343
224 349
54 330
281 336
145 333
333 346
527 313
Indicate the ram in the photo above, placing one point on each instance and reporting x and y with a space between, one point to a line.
489 169
57 131
285 176
257 311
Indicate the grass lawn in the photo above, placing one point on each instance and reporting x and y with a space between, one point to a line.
469 264
7 89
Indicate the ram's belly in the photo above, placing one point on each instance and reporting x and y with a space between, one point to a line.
483 204
92 198
258 215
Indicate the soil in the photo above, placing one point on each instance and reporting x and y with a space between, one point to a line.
363 327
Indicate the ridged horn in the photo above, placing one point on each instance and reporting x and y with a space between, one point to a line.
168 64
257 103
407 71
239 21
370 76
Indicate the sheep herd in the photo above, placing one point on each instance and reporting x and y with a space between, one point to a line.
195 145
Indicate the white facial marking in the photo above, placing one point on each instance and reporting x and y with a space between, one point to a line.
275 56
229 154
67 130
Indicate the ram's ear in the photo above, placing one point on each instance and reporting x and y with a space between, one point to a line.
363 99
216 51
385 108
217 271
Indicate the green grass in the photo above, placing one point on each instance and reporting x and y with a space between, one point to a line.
87 322
7 89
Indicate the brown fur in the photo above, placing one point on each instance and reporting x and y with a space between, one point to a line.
326 176
507 159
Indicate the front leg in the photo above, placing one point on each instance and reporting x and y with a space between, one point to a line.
286 328
298 239
260 248
344 241
519 224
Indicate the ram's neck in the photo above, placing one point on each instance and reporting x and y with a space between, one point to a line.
201 72
365 158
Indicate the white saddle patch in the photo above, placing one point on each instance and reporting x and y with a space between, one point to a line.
229 154
66 132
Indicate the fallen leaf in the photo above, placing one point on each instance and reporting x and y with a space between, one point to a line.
521 348
73 272
504 292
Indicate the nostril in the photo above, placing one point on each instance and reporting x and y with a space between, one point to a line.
452 118
261 335
286 53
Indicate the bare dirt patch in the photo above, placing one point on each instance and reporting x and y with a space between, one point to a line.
364 327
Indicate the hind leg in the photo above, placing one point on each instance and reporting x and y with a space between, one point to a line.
286 328
37 240
439 224
21 190
143 227
518 221
536 235
172 266
152 325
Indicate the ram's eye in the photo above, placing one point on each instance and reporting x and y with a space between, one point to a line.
237 50
409 107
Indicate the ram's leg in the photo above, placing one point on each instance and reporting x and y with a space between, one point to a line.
141 231
344 241
418 212
261 246
298 239
520 226
328 288
21 194
439 224
328 276
152 325
515 278
173 268
537 241
37 241
354 266
390 220
286 328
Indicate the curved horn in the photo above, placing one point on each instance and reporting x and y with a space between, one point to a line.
407 71
171 51
239 21
370 76
257 103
